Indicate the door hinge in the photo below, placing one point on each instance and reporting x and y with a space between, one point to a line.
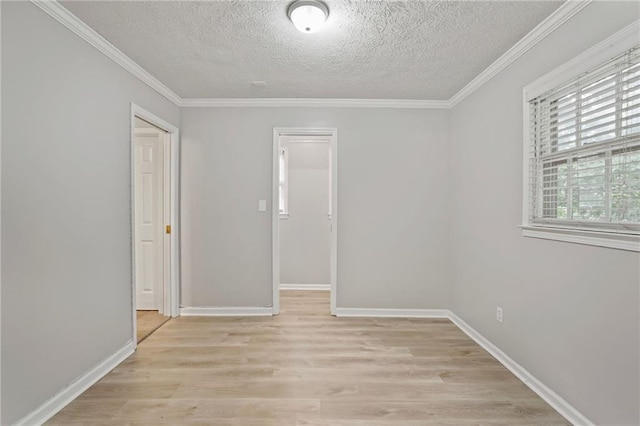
168 229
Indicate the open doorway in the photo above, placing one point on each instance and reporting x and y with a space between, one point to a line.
154 215
304 212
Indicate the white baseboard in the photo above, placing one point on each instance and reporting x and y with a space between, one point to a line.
548 395
392 313
60 400
552 398
326 287
47 410
212 311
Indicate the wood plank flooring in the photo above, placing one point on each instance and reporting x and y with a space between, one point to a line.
148 322
305 367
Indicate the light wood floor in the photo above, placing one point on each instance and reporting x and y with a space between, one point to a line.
148 322
305 367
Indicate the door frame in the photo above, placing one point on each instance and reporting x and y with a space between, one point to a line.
172 259
332 134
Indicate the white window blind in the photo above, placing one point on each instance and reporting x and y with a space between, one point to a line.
283 181
584 159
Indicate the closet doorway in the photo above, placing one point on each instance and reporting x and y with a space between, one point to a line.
154 214
304 211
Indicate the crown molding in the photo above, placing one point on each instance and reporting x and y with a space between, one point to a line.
546 27
555 20
618 43
72 22
313 103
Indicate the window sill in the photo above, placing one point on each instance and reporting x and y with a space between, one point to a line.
613 240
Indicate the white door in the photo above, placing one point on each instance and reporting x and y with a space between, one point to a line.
149 223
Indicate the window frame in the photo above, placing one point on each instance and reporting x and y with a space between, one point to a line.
566 231
283 187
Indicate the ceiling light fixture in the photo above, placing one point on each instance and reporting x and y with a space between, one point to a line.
308 16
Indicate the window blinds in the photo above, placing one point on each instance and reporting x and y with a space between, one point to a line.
283 203
584 159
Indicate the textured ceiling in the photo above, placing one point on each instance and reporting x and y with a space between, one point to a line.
367 50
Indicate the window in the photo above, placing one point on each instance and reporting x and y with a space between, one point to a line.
584 152
284 183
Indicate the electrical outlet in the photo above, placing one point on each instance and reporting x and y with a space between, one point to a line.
499 314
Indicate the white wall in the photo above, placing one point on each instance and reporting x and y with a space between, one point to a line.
570 311
392 241
304 236
66 258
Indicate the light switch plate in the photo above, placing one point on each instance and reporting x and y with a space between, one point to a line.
262 205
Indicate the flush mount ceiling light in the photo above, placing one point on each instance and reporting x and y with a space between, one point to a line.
308 16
